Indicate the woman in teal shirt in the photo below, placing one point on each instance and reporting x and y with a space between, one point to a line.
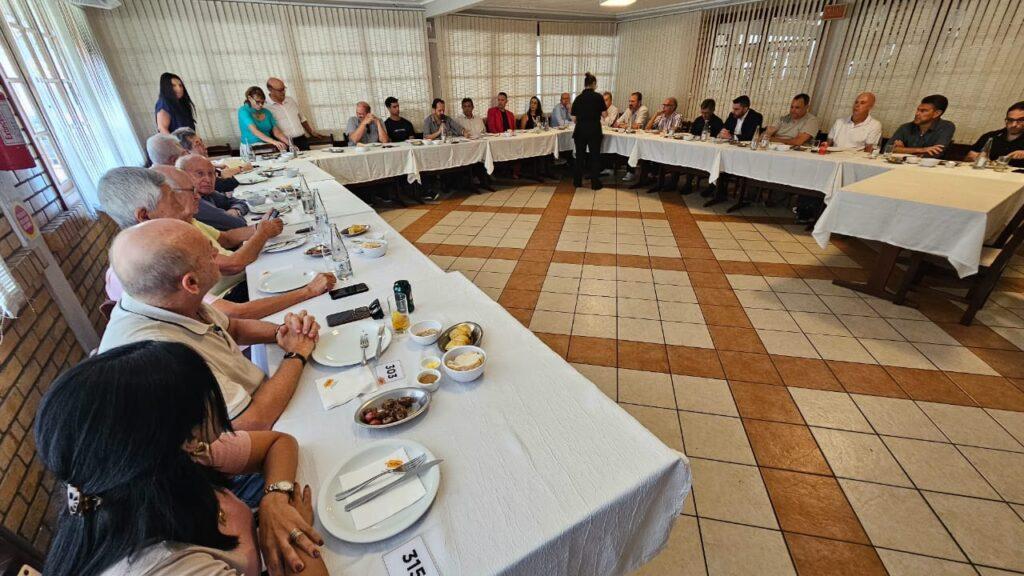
256 124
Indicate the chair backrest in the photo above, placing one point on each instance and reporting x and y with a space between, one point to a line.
956 151
1011 227
107 307
218 150
1009 248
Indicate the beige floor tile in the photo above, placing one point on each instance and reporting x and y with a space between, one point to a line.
758 299
638 308
560 285
989 532
939 467
662 422
551 322
443 261
469 274
898 417
601 305
899 518
681 312
1012 421
747 282
896 353
492 292
487 241
636 249
731 492
646 388
674 277
491 279
640 330
827 288
634 274
595 326
687 334
1014 335
563 270
594 287
604 377
733 550
818 323
787 343
664 251
859 456
803 303
669 293
683 555
715 437
887 309
555 302
829 409
870 327
955 359
848 305
1003 470
970 426
709 395
598 272
772 320
627 289
433 238
654 240
601 247
724 243
791 285
765 256
465 263
843 348
925 331
499 265
571 236
903 564
570 246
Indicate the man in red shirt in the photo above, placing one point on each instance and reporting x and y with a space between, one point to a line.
498 118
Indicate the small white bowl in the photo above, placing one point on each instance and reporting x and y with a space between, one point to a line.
463 375
433 386
430 363
911 159
423 325
372 251
929 162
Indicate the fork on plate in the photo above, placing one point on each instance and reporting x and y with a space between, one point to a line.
409 466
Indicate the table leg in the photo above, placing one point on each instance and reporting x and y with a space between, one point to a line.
879 278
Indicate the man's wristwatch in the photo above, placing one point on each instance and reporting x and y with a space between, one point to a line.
301 358
280 486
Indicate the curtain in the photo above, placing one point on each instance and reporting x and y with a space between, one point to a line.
570 49
656 58
479 57
330 58
967 50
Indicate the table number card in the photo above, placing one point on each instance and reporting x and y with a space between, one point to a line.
389 372
410 559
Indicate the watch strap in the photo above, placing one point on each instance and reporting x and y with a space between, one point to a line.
301 358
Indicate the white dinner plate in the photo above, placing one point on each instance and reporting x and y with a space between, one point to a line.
283 245
332 514
282 207
250 178
285 280
339 346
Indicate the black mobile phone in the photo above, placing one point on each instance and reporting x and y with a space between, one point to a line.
347 291
347 316
274 214
305 230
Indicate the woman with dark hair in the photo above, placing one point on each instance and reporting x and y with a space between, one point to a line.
174 108
141 438
256 124
587 135
534 115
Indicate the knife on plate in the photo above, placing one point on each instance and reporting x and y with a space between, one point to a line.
384 489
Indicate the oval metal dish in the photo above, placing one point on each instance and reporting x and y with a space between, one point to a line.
421 400
476 335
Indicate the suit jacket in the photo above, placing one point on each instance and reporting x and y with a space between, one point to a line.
494 125
750 124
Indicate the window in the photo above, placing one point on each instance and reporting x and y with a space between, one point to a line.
570 49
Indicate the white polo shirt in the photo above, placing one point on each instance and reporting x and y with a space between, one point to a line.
846 134
287 116
475 125
134 321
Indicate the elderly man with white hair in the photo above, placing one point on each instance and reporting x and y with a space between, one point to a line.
287 114
193 143
365 127
167 268
133 195
163 149
215 208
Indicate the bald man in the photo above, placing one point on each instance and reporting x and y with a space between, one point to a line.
668 119
365 127
562 114
168 267
858 131
287 114
215 208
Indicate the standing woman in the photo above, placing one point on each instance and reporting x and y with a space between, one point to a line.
587 135
174 108
534 115
257 124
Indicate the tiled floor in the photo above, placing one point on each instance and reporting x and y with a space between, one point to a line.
829 432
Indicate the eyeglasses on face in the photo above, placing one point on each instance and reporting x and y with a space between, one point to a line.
1015 120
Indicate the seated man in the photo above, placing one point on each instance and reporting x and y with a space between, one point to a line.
365 127
562 115
1007 142
432 124
707 118
611 112
470 123
858 131
163 149
134 195
215 209
287 115
928 135
193 144
635 116
499 119
399 129
668 120
167 268
743 121
797 127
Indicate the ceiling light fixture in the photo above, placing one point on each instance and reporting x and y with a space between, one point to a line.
616 3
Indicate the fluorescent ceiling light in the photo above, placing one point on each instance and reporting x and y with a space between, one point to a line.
616 3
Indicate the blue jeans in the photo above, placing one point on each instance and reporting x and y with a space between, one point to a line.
248 488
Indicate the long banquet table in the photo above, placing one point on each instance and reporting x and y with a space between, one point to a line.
543 474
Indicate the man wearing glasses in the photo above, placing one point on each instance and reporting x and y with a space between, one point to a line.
286 112
1007 142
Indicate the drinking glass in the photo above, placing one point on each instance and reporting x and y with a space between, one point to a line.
399 314
1002 164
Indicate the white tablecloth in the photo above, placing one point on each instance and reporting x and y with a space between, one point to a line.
338 200
363 164
523 144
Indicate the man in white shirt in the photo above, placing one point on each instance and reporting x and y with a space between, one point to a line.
474 127
611 113
635 116
287 115
859 130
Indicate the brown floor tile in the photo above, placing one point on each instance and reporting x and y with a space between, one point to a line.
530 255
776 269
477 252
940 310
700 263
730 267
507 253
518 298
709 279
715 296
448 250
524 315
531 268
544 237
525 281
694 362
990 391
848 274
643 356
765 402
749 367
736 339
587 350
977 336
693 246
665 263
725 316
1018 382
633 261
557 342
822 557
819 272
813 505
1009 363
595 259
869 379
425 247
788 446
567 257
929 385
806 373
550 224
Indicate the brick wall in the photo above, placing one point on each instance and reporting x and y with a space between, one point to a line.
39 345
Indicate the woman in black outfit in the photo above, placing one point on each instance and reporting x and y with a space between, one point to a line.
534 115
587 109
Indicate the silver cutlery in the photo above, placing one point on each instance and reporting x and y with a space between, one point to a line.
380 342
384 489
364 343
406 467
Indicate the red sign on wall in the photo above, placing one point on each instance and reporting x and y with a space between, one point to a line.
25 221
834 12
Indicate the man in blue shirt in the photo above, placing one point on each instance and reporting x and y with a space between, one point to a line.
561 115
215 209
928 135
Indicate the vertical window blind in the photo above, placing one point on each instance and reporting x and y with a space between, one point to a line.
570 49
330 58
656 58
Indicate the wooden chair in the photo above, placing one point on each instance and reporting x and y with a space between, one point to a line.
994 260
219 150
327 139
107 307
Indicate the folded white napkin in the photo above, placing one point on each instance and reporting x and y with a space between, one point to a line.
385 505
339 388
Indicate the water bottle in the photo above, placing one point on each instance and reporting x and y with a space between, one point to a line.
444 132
705 134
889 146
339 255
755 143
982 160
244 150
